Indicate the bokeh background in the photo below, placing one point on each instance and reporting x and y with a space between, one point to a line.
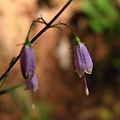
61 92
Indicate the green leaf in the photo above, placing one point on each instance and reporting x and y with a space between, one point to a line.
107 8
96 26
45 109
12 61
4 79
89 9
10 89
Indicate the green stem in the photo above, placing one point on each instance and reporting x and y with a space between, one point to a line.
78 41
68 27
10 89
27 38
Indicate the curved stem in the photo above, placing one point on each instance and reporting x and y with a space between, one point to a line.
38 35
68 27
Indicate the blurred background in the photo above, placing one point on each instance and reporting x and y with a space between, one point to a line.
61 92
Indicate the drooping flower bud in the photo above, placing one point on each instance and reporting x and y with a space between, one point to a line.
83 61
27 61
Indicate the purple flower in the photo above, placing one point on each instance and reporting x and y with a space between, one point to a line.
32 84
28 67
83 61
27 61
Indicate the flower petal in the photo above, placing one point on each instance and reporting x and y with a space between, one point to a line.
79 73
32 84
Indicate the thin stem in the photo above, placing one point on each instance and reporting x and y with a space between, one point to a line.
33 23
78 41
43 21
50 23
38 35
68 27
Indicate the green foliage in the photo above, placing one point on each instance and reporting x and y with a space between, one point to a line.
105 115
102 13
3 80
41 112
44 109
10 89
6 74
23 101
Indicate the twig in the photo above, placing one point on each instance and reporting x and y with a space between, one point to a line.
48 25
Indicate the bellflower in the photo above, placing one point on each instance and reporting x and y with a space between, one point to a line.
83 61
27 61
28 66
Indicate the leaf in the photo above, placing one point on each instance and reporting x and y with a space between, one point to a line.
4 79
89 9
106 7
10 89
96 26
12 61
6 74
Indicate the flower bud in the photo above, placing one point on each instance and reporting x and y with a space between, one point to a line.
27 61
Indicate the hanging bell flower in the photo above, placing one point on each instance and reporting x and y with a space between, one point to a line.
27 61
28 66
83 61
27 57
